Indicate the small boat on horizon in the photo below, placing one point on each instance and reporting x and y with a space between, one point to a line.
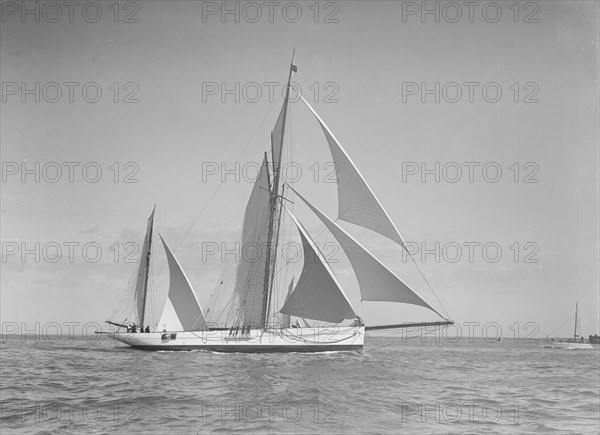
575 343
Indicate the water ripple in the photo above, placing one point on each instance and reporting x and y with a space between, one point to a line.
99 386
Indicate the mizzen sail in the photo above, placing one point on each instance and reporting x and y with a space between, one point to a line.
141 283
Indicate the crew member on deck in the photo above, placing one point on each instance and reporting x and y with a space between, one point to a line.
357 321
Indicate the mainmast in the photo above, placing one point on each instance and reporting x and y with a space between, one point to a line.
147 266
575 333
275 205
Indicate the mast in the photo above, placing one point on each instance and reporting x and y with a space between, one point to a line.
147 259
274 205
575 333
272 278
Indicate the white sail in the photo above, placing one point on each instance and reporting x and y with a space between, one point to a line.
278 130
249 287
181 299
356 201
142 275
302 323
305 324
169 320
285 318
318 295
376 281
220 309
277 136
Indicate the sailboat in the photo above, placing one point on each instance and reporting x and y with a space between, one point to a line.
316 314
575 343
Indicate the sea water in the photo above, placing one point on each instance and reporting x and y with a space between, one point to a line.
96 385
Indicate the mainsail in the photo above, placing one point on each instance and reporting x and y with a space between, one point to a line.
141 283
318 295
277 136
182 306
249 287
255 275
357 203
376 281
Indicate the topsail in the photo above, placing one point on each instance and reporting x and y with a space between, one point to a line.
277 137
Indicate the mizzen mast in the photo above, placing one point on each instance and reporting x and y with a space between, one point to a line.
146 259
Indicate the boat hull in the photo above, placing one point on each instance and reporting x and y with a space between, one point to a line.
278 340
567 345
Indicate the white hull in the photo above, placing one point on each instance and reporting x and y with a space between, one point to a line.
335 338
566 345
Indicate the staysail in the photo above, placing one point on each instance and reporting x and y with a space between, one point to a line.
376 281
285 318
141 283
181 301
318 295
250 277
357 203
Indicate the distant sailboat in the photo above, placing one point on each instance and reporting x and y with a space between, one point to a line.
255 324
576 343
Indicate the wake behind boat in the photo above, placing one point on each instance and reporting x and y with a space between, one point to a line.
265 310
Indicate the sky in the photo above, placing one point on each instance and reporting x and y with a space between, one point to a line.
185 94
